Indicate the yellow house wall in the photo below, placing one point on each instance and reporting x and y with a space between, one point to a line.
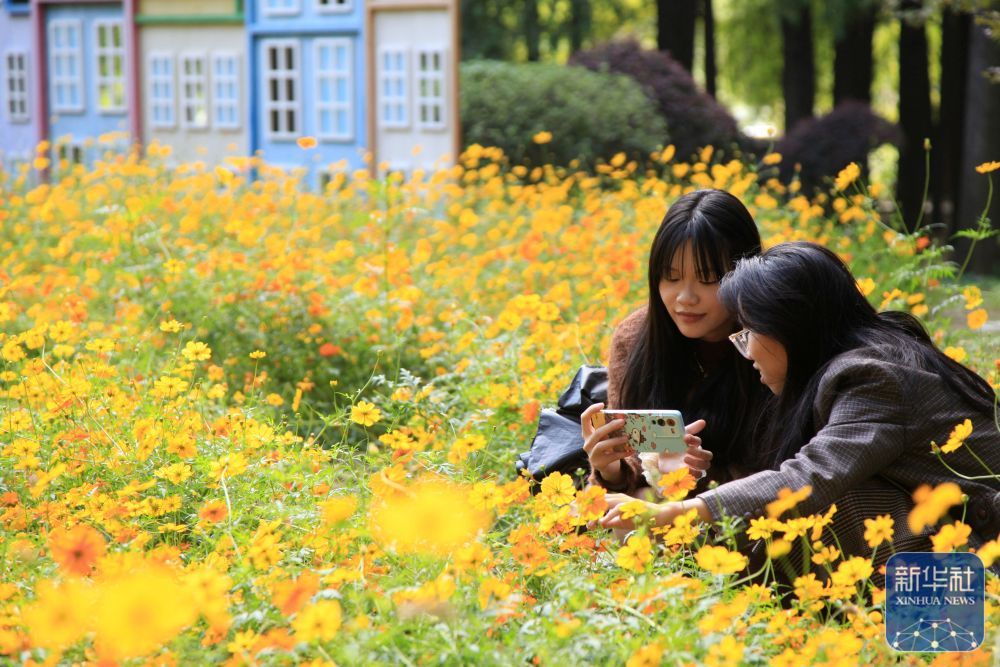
182 7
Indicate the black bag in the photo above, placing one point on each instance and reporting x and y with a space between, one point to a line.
558 443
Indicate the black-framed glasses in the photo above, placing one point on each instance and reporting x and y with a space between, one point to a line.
741 339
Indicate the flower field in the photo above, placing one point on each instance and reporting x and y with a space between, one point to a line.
242 423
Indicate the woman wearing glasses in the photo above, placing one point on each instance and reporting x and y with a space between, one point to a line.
859 397
674 352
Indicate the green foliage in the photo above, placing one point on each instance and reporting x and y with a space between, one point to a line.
590 115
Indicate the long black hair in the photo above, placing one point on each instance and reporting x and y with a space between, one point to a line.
803 296
663 369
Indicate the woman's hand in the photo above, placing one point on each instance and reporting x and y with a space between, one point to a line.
697 459
604 452
657 514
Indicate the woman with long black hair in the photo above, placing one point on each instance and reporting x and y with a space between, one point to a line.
859 396
674 353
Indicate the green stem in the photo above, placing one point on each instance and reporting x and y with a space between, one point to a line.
992 475
927 184
982 220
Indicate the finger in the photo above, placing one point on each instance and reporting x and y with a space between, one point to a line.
618 522
614 448
695 427
692 441
700 465
585 418
699 453
611 516
594 443
609 428
615 499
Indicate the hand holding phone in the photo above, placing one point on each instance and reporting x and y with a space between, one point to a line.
652 430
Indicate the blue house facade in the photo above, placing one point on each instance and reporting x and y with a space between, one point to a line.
18 115
307 73
85 77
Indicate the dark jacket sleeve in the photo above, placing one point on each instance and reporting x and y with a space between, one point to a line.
862 429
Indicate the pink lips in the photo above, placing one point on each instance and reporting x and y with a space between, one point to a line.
689 318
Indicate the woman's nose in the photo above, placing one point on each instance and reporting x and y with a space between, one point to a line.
687 295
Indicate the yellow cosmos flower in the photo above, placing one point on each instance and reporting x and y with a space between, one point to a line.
720 560
306 143
847 175
365 413
878 530
676 484
337 509
973 297
542 138
636 554
987 167
951 536
432 517
931 504
787 499
958 437
866 286
60 615
650 655
727 652
171 326
318 622
140 595
977 318
558 489
196 351
956 353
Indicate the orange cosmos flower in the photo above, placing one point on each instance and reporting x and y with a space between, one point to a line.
305 143
77 549
289 596
328 350
213 511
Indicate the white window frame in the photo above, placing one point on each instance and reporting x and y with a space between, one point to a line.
71 54
165 104
16 85
268 9
282 76
109 81
333 6
227 105
193 81
333 76
430 101
66 149
393 101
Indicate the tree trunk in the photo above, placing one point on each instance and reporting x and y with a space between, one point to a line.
948 159
982 143
914 116
675 21
532 31
798 77
579 23
852 61
710 67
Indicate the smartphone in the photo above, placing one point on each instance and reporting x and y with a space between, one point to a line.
652 430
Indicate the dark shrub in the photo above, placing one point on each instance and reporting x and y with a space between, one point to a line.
825 145
590 115
694 117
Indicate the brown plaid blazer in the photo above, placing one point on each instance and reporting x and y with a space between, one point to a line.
876 419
